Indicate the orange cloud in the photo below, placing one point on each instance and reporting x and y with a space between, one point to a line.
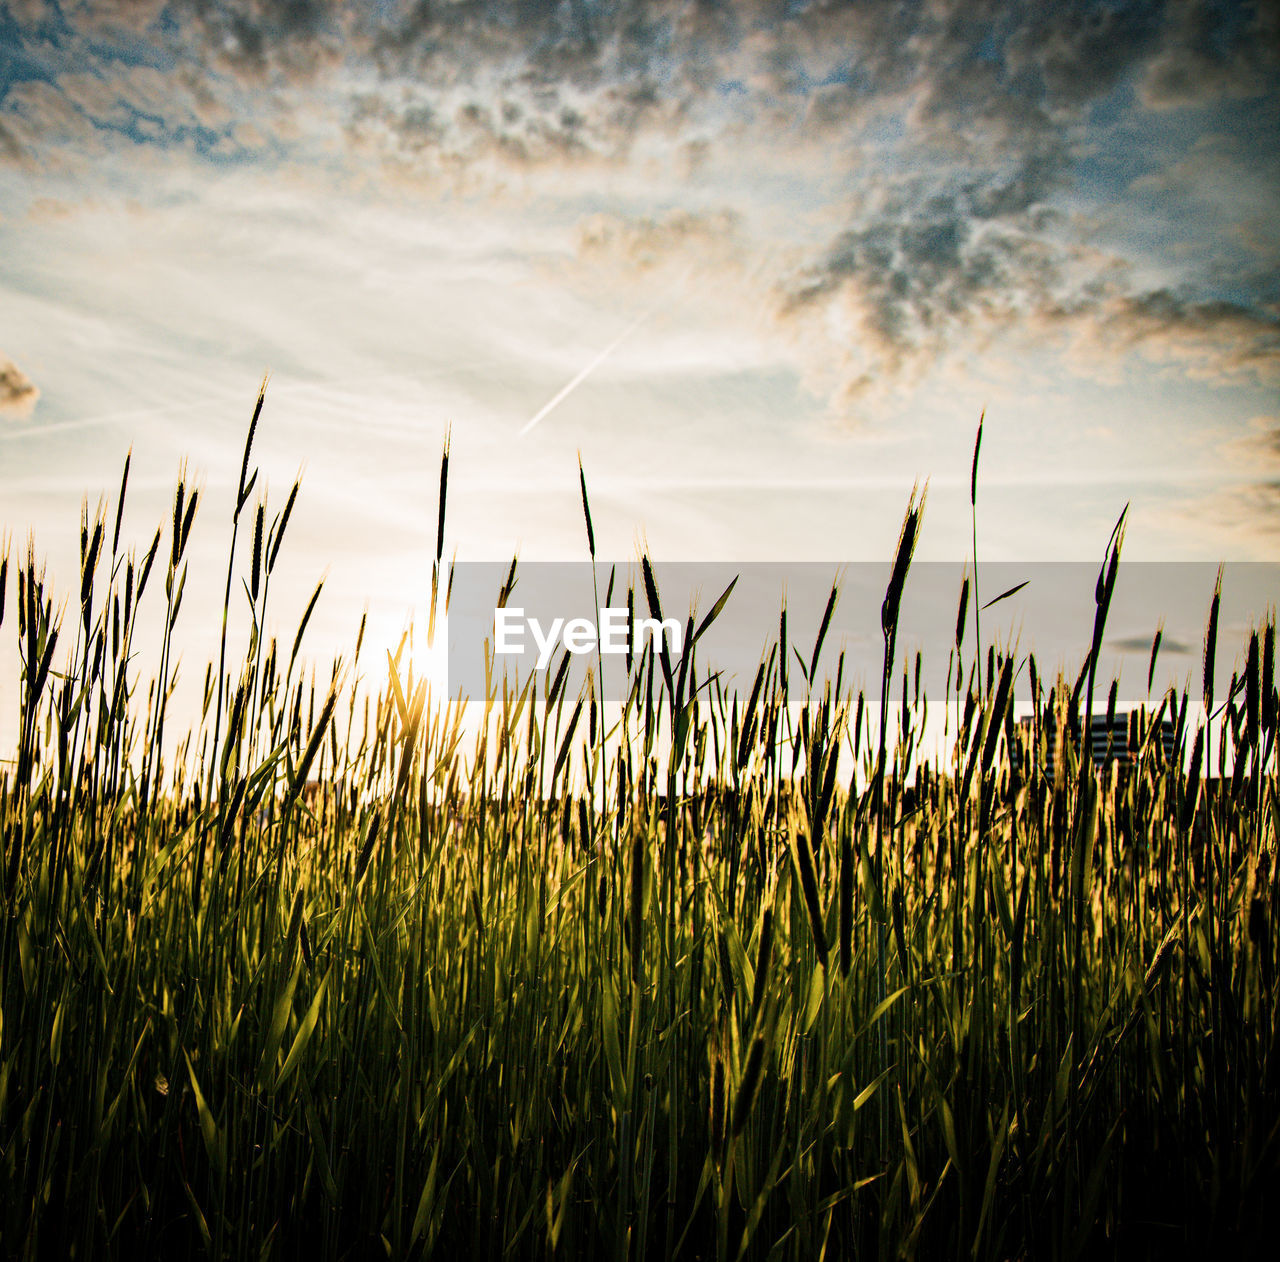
18 393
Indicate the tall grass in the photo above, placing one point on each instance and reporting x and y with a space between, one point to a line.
732 977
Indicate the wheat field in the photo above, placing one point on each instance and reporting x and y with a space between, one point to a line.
706 975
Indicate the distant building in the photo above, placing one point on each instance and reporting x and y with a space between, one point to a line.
1116 741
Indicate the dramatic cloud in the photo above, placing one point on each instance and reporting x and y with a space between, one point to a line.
1210 50
915 181
18 394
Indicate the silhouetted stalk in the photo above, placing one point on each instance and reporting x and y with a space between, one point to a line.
973 518
243 489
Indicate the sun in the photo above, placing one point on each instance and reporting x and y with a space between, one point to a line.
416 652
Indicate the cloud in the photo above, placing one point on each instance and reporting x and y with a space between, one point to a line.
28 12
12 150
1247 503
648 242
1210 340
1259 446
903 183
1142 644
908 283
18 393
1249 510
1210 51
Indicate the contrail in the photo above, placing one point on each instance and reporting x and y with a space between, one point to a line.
586 372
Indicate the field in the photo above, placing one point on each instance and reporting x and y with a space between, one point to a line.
738 976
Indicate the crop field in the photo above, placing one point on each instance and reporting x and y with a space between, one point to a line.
712 974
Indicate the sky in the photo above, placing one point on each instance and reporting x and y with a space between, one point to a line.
763 265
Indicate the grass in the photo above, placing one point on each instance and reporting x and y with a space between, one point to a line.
737 977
